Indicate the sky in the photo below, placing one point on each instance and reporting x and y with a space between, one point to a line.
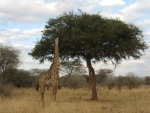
21 23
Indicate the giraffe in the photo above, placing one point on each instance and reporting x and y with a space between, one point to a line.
52 75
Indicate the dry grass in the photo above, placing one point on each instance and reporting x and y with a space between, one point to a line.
76 101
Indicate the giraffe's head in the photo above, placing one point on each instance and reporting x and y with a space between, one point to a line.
56 41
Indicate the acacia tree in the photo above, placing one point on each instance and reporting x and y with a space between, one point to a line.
72 67
9 58
92 38
103 75
68 67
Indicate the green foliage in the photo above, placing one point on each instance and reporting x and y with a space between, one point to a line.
37 72
20 78
90 36
110 83
9 58
72 68
130 81
120 82
5 88
73 82
103 75
23 79
133 81
147 80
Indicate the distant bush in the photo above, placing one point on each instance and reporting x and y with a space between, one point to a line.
23 79
20 78
130 81
103 76
73 82
5 89
133 81
120 82
110 82
147 80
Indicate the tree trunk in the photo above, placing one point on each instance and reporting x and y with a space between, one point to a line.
92 79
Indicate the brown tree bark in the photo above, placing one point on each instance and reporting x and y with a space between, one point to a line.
92 79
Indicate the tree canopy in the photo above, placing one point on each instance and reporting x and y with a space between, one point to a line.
90 37
9 58
72 68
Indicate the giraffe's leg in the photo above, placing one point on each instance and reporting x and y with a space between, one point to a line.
54 92
42 90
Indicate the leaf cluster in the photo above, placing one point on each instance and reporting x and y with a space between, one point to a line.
9 57
90 36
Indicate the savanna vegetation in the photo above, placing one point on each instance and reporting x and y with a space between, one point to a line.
125 93
90 38
82 37
27 100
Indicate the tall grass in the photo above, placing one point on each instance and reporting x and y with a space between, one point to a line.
5 89
77 101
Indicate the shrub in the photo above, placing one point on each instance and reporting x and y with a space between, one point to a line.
20 78
73 81
5 89
103 75
120 82
110 83
133 81
147 80
130 81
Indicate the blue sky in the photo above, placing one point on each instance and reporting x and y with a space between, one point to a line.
21 23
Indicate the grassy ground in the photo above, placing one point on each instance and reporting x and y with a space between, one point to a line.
77 101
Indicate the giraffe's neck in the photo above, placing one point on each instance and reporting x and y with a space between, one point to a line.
56 52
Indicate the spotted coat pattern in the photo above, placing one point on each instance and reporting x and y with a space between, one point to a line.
52 75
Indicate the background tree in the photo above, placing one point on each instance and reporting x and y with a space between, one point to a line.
23 79
68 67
147 80
133 81
37 72
120 81
19 78
80 70
73 82
92 38
9 58
105 72
72 68
103 75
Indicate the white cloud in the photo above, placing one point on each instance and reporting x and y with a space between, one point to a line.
136 10
147 34
17 34
31 11
4 41
139 67
28 63
147 37
6 34
26 10
36 31
38 10
26 34
111 2
23 48
144 24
